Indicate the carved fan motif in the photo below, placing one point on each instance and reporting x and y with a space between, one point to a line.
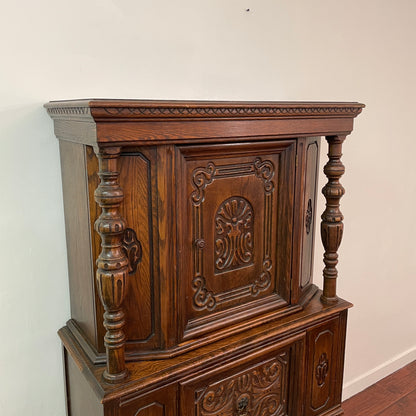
233 234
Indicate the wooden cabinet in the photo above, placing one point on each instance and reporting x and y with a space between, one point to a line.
190 228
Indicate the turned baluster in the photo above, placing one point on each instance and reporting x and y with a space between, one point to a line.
331 225
112 263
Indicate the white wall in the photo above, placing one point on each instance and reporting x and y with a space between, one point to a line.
212 49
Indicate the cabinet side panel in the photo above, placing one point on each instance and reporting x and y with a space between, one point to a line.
305 218
94 211
141 303
78 238
137 173
167 249
81 399
309 212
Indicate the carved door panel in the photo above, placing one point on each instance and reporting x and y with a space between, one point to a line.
324 371
235 231
258 387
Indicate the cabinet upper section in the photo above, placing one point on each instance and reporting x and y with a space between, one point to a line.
146 122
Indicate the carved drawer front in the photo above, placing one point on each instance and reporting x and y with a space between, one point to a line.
324 371
259 387
161 402
236 212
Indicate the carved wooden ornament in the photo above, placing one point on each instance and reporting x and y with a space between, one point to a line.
112 263
331 225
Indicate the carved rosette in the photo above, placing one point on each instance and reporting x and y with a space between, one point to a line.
259 391
331 225
112 263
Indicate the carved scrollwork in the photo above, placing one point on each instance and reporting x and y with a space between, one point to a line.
264 280
234 236
308 217
203 298
265 171
201 178
322 369
257 392
133 249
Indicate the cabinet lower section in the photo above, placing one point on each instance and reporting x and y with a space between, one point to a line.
291 369
257 384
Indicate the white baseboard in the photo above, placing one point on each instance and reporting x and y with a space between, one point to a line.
370 377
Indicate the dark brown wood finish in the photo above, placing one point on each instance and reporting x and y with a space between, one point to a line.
112 262
234 269
332 226
203 256
148 377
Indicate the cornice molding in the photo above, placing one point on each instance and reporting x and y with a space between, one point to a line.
224 112
69 113
165 110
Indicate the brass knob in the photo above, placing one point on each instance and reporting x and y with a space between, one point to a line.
242 406
200 243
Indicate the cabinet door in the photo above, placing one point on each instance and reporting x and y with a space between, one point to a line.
265 383
162 402
305 217
235 205
325 350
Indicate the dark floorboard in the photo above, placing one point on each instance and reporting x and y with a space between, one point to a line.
394 395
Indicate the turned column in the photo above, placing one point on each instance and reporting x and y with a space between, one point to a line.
331 225
112 263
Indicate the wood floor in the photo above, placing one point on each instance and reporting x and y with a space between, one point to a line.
395 395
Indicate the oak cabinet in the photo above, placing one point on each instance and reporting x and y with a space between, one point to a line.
190 228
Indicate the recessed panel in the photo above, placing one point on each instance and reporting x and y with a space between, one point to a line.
309 215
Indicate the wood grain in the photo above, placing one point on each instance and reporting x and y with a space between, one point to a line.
391 396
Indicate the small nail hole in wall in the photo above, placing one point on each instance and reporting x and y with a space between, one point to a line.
247 10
